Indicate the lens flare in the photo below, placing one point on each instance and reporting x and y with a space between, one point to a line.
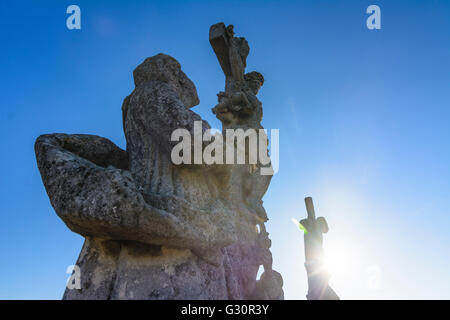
299 225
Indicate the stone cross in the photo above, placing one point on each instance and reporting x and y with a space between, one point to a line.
232 54
318 288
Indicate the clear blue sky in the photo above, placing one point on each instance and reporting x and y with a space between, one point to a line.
363 117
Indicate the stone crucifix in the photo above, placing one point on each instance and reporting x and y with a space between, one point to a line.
238 106
318 288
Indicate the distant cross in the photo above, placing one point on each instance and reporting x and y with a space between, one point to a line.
318 288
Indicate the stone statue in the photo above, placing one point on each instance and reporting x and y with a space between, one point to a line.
318 288
153 229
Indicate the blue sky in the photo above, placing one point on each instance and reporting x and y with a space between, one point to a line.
363 118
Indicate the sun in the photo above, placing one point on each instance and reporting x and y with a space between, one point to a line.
338 260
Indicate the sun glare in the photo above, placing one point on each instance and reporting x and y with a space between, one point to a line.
339 261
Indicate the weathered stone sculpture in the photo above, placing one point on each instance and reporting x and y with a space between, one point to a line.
153 229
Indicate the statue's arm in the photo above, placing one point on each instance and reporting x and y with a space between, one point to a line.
87 187
95 197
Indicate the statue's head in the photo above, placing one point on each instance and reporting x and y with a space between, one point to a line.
166 69
254 81
230 30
